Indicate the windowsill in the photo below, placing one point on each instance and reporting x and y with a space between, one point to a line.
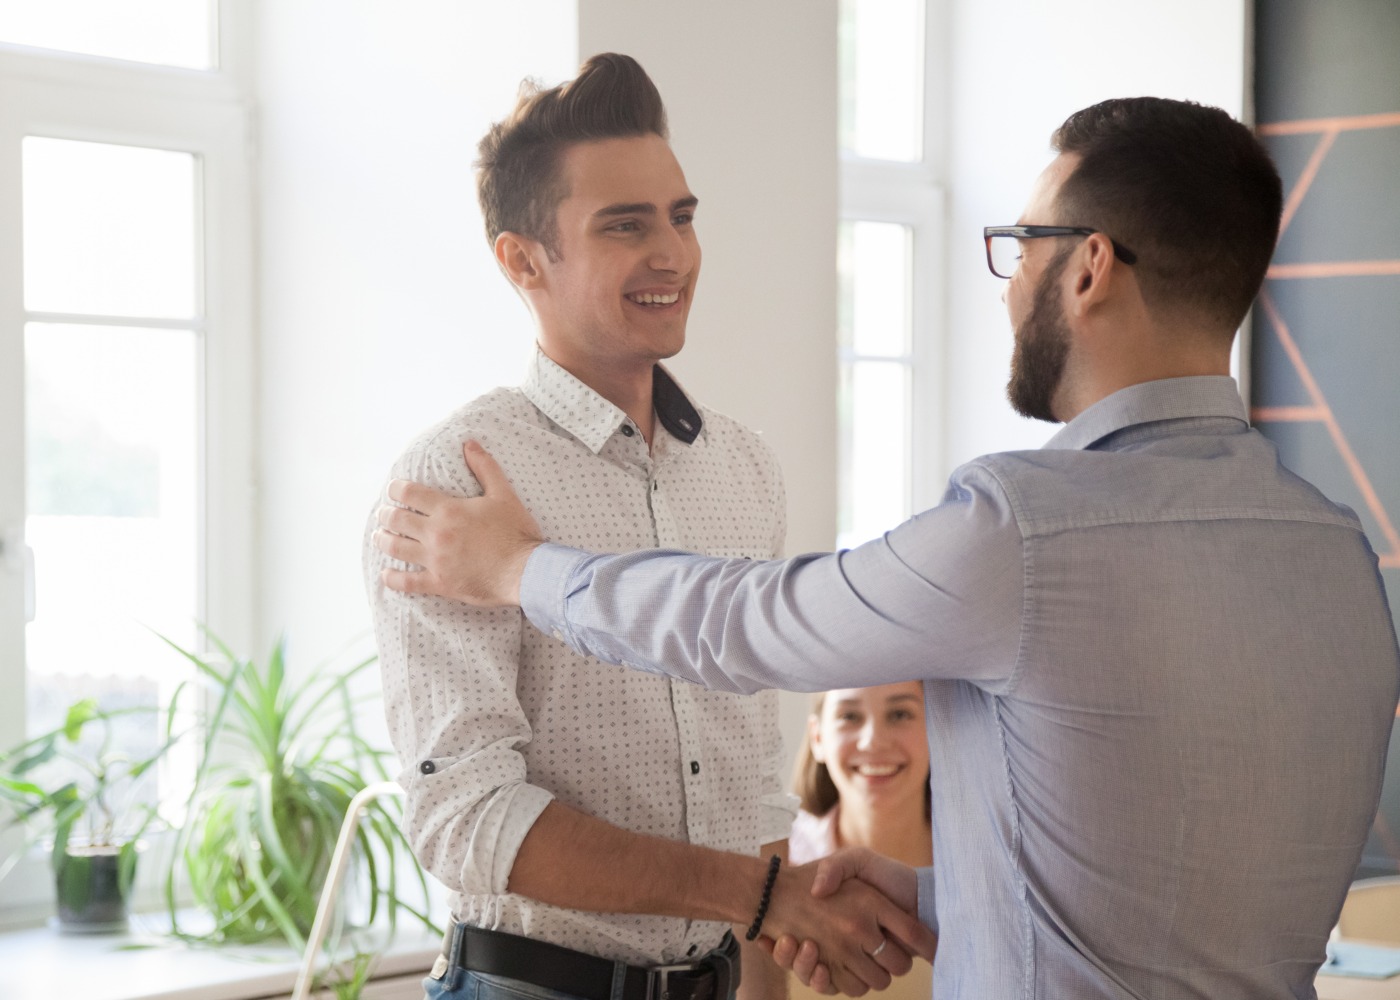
143 964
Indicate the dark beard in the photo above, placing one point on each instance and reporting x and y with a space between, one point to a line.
1042 348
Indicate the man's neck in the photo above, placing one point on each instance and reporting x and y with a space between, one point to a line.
1130 355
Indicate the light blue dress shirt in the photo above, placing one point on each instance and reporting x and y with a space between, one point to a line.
1160 676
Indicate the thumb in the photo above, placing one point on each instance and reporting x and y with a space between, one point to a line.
493 481
834 869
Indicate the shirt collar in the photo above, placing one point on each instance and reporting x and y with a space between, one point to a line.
1146 402
580 411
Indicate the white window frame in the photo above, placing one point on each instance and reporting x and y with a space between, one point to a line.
915 195
205 113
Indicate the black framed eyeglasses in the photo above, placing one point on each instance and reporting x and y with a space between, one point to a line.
1004 248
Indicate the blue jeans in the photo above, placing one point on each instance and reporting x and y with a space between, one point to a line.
459 984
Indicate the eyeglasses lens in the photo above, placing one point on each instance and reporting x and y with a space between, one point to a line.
1006 255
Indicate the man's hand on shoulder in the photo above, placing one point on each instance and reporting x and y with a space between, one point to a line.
470 549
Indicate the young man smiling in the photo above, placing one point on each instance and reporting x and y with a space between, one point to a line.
559 799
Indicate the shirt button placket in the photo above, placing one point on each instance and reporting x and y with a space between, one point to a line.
666 534
695 782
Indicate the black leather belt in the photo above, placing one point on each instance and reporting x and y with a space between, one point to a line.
494 953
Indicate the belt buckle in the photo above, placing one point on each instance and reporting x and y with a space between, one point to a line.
658 979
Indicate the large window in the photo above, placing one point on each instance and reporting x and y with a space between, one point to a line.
889 263
111 419
159 32
125 358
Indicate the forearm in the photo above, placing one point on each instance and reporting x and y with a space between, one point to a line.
573 860
806 624
762 979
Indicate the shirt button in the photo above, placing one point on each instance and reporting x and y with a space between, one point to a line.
427 767
694 767
690 950
558 635
627 430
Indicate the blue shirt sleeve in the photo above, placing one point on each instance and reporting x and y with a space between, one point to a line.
939 596
927 910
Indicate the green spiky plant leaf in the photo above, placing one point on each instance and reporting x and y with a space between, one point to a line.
282 758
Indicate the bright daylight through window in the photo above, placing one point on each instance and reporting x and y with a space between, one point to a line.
111 422
162 32
889 235
117 516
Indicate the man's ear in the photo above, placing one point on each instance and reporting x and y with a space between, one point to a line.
1088 276
520 256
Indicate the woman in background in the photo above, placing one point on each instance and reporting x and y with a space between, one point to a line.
862 776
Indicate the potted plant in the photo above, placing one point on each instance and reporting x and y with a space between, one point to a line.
282 758
72 787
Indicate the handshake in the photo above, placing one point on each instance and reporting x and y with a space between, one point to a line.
847 923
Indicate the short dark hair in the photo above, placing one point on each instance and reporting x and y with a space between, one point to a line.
1186 187
518 174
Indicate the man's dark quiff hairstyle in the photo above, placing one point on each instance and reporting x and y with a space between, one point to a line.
1187 188
518 170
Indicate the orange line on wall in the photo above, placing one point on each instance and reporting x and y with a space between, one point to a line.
1390 559
1347 124
1287 414
1335 269
1305 179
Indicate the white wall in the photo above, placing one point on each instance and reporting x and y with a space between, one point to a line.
750 89
382 308
1017 69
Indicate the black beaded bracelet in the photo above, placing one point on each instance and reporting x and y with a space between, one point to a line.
773 864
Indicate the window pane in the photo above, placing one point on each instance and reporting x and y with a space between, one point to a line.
109 230
882 78
875 297
875 415
167 32
111 478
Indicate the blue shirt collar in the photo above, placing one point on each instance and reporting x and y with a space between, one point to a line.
1146 402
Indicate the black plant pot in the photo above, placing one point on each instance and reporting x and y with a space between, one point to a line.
93 884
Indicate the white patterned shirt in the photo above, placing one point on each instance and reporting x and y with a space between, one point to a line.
492 719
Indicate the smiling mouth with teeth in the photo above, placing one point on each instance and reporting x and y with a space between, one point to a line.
877 770
649 299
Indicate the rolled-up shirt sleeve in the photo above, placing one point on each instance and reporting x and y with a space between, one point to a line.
449 677
938 596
